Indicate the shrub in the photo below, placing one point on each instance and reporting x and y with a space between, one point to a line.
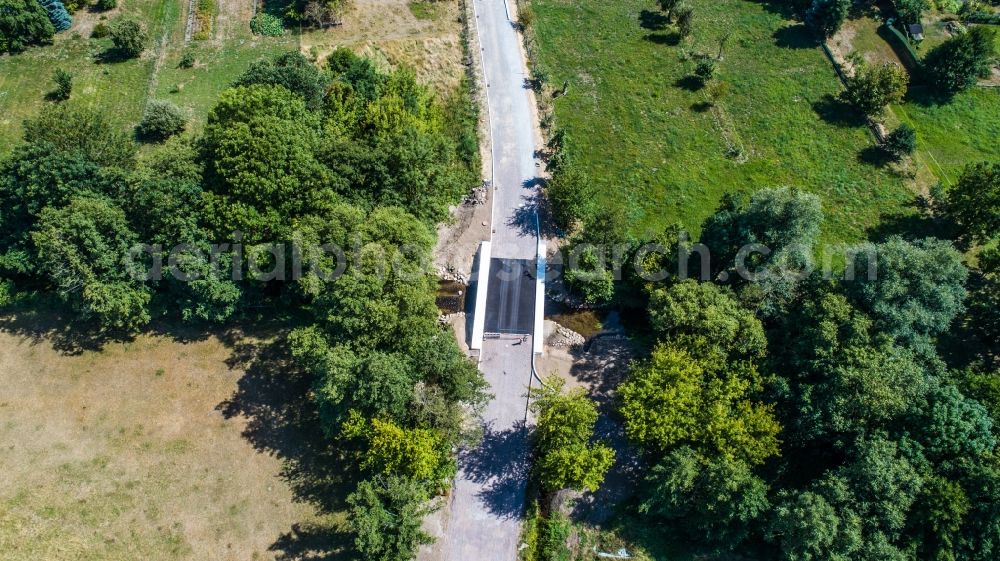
64 85
340 60
128 37
187 60
705 70
74 5
555 531
160 121
100 31
7 292
267 25
901 142
526 17
685 20
105 5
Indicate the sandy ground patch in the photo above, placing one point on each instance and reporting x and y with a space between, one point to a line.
126 454
387 30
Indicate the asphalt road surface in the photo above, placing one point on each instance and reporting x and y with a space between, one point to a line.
510 302
487 503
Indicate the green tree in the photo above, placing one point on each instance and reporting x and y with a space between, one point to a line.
959 62
901 142
685 20
910 11
372 383
385 516
418 454
917 290
845 380
23 23
885 482
767 238
567 459
384 300
825 17
128 37
160 121
82 131
951 426
691 311
291 70
571 195
669 6
262 171
63 85
714 500
974 202
675 399
85 251
163 197
808 528
32 178
872 88
981 483
937 519
590 276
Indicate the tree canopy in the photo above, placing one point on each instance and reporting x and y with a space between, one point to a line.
566 458
959 62
23 23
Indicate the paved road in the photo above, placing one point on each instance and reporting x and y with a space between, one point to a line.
489 495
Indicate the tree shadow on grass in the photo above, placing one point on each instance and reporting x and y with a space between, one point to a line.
653 21
783 7
311 542
690 83
273 395
501 465
927 96
702 106
837 112
112 55
672 38
796 36
875 156
43 319
916 221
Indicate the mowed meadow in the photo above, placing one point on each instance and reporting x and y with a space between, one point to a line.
152 449
652 139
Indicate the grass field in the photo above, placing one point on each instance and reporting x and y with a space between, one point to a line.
385 29
958 133
646 137
26 78
951 134
152 449
122 88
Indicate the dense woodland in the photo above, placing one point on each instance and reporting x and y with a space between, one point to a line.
345 154
799 417
807 416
